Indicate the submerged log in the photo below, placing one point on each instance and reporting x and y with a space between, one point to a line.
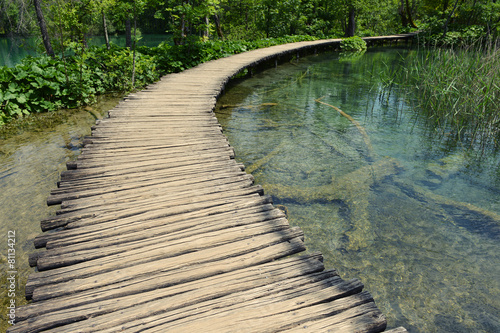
353 189
463 214
265 159
360 128
341 187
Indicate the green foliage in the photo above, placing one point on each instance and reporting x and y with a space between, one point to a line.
353 44
45 84
471 21
113 68
176 58
458 89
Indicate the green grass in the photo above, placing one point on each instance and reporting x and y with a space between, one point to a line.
459 90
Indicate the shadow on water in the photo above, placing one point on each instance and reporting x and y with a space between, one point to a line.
416 218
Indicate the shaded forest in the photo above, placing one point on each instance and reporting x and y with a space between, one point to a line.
64 21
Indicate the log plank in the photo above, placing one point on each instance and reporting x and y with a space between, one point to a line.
171 231
169 271
114 227
83 305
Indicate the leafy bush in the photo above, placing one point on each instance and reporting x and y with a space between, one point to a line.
113 68
354 44
45 84
176 58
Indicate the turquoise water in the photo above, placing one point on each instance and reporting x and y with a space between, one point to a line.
382 195
13 50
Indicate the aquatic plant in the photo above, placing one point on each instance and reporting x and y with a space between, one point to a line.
458 89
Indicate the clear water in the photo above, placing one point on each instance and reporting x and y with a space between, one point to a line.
32 155
412 215
12 50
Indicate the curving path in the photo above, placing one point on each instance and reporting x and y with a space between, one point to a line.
161 230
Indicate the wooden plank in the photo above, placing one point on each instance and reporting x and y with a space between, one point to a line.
123 118
68 309
172 173
86 161
363 318
159 313
113 227
188 167
172 231
162 246
148 193
176 226
161 157
176 204
114 220
233 174
87 154
187 146
158 131
270 312
146 277
180 138
137 154
138 188
184 143
104 271
144 180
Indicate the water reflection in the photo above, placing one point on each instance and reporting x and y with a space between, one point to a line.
415 218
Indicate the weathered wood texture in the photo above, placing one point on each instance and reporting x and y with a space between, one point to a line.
160 230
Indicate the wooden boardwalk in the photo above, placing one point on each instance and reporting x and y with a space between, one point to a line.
161 230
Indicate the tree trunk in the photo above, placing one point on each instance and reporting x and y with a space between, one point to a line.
268 20
410 19
105 26
183 28
445 26
401 12
134 44
128 33
218 27
206 32
43 28
351 23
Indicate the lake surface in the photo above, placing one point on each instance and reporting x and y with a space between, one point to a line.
384 196
13 50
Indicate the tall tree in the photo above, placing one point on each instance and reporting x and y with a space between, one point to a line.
43 28
351 22
405 11
445 26
105 28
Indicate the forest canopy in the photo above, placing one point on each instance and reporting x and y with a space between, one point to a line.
73 20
